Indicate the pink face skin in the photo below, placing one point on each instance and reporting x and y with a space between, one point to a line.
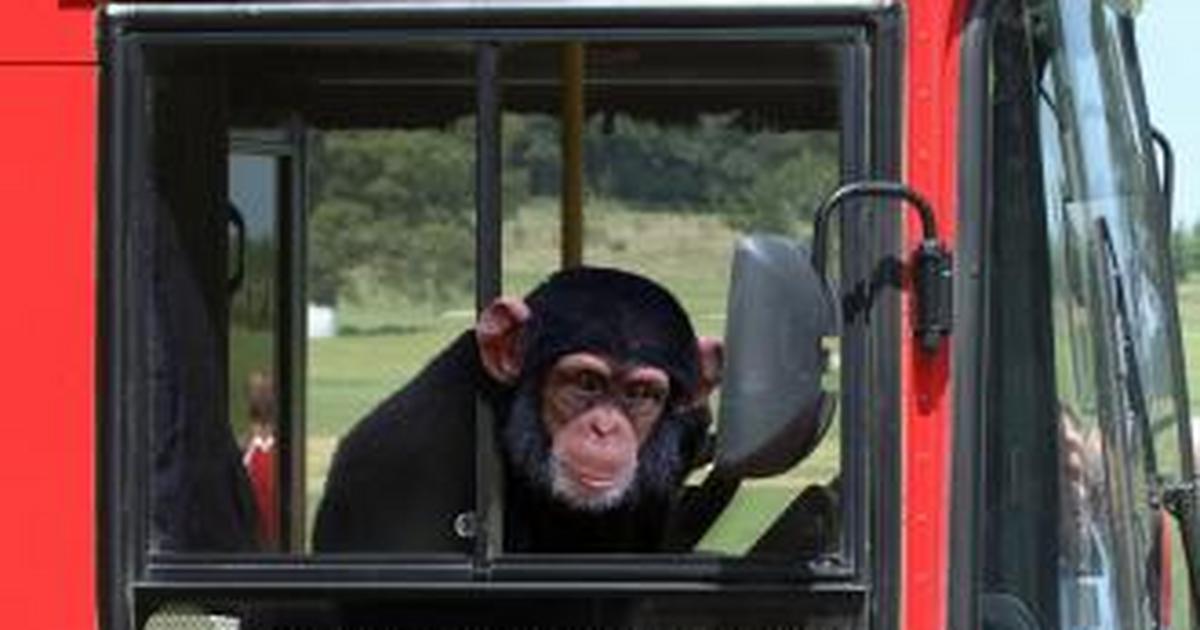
598 414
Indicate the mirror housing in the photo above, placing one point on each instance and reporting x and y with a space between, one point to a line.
773 409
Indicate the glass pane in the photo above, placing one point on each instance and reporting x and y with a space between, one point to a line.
390 279
1082 301
391 285
1115 225
686 147
198 322
254 182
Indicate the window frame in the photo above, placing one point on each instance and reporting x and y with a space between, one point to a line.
871 141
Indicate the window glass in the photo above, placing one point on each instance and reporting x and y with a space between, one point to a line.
1080 296
301 331
197 308
391 236
255 206
685 147
387 231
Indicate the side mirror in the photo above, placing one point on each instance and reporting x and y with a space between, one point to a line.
773 409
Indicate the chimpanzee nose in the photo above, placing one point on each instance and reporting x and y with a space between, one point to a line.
605 422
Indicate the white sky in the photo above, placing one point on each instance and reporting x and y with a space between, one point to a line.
1168 33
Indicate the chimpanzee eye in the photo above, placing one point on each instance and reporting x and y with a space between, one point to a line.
644 398
589 382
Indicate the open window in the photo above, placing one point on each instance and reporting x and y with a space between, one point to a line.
303 218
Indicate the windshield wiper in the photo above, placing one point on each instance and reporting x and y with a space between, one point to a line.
1127 372
1178 499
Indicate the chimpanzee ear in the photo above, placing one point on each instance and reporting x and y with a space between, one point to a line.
498 333
712 362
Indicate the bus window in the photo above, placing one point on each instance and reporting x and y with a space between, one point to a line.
344 259
308 221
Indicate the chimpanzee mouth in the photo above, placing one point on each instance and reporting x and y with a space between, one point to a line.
595 482
588 490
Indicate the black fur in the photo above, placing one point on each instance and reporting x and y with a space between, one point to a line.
406 471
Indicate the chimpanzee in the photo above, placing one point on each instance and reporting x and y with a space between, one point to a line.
598 386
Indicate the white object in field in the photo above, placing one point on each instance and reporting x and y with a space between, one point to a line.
322 321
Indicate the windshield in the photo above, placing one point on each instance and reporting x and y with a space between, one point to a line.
1084 343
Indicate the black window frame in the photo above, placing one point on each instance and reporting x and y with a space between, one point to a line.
970 306
866 584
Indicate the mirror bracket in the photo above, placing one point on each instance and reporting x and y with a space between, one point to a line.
1178 498
933 277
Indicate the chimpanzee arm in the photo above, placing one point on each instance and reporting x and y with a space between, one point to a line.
406 471
698 507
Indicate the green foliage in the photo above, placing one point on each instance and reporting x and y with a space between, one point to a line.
644 162
1185 250
397 207
418 175
533 149
782 195
398 204
250 350
253 305
758 179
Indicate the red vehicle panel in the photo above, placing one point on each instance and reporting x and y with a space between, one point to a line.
45 31
48 122
932 91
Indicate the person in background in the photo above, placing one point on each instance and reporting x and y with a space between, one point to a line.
260 456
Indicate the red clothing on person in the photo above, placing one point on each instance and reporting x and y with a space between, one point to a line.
260 462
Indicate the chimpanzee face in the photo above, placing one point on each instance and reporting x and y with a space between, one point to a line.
594 434
600 363
597 414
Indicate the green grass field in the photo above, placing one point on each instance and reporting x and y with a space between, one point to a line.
1166 445
1189 314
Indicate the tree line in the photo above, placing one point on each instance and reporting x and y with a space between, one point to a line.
1185 249
399 205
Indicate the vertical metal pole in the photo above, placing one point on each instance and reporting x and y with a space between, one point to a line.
292 367
489 515
855 457
121 340
572 152
487 174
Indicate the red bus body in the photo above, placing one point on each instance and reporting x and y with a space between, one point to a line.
49 75
931 96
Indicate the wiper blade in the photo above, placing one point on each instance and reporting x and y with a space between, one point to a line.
1127 370
1174 500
